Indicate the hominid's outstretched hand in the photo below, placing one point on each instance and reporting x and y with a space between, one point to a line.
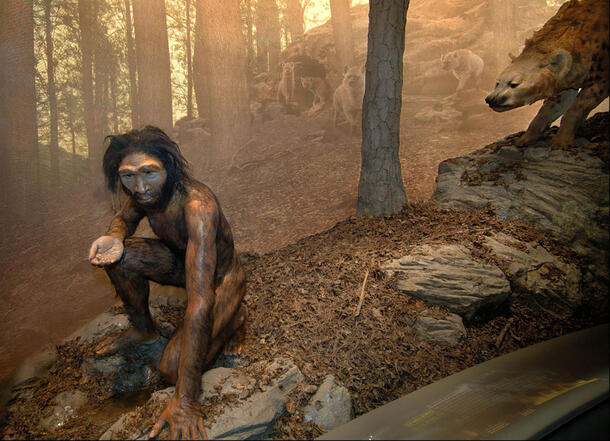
105 250
184 417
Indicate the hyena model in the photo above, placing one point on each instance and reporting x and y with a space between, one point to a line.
569 53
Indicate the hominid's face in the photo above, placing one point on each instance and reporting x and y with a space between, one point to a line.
143 176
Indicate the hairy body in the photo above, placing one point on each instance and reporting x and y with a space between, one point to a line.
320 90
565 64
194 250
465 65
347 99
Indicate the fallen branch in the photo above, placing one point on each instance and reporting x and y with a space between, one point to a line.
503 332
366 276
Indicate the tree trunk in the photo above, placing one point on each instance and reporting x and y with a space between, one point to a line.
19 147
52 94
502 22
131 65
189 64
87 25
225 53
380 189
199 66
342 32
152 55
268 34
296 25
249 35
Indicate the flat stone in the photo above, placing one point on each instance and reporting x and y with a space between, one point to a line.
331 405
447 275
448 330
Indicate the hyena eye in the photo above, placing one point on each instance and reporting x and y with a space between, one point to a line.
513 85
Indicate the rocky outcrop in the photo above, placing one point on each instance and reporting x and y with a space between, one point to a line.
563 193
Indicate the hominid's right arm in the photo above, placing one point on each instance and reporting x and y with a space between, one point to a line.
108 249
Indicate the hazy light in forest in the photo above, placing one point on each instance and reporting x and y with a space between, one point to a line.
318 12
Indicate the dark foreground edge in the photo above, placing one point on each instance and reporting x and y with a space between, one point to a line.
556 389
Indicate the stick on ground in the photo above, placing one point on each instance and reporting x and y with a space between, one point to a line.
366 276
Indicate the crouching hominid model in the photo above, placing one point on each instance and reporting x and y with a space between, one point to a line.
194 250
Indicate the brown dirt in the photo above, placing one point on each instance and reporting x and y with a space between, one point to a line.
302 299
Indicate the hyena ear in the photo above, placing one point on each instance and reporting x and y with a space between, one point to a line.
345 68
560 63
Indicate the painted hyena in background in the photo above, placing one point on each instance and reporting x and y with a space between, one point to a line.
347 99
465 65
569 53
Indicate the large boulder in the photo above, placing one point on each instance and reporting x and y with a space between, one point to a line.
447 275
563 193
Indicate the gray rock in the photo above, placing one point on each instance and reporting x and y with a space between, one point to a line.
539 275
256 417
447 275
131 369
448 330
562 193
252 418
102 325
331 406
67 403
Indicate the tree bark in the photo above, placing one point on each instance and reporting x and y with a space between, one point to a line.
199 66
153 67
225 54
296 24
249 35
131 66
51 94
502 22
268 34
19 148
342 32
380 189
189 64
87 26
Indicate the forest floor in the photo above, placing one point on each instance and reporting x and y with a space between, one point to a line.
290 198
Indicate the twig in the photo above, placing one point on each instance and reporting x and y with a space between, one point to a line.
366 276
503 332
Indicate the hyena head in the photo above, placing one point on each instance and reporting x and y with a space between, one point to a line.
447 60
353 77
288 67
529 78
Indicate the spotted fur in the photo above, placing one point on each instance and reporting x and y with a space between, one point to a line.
565 64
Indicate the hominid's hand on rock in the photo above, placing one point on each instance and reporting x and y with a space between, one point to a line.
105 250
184 417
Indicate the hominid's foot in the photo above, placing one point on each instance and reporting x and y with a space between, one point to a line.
114 343
236 344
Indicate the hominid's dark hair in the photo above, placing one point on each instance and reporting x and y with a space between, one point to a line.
152 141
